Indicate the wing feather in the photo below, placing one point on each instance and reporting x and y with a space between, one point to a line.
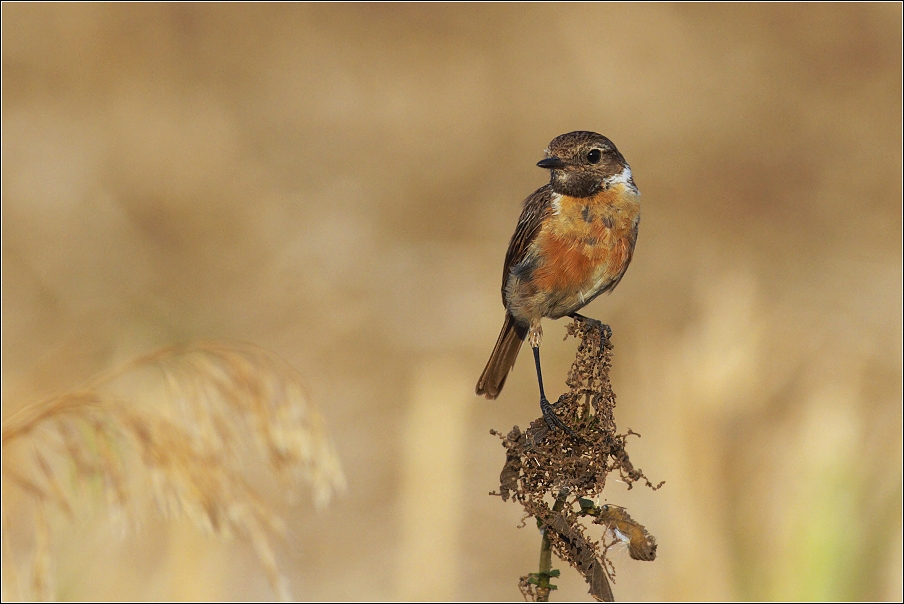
536 208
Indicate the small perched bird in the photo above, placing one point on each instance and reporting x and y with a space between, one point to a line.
573 242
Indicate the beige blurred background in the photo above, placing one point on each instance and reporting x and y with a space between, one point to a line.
339 183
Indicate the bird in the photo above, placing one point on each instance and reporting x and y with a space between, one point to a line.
574 241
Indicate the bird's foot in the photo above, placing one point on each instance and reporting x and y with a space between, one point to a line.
552 420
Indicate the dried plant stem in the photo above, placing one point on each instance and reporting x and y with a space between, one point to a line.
543 588
574 467
545 574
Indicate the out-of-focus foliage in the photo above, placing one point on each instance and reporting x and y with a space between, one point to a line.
233 416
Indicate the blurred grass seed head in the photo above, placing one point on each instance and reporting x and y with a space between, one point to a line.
225 414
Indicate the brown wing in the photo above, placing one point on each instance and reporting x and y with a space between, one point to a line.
536 207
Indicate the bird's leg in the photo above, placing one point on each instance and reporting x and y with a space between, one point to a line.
604 329
552 420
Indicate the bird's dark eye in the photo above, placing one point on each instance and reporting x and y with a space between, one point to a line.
594 156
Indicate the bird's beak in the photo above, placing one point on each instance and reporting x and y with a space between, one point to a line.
551 163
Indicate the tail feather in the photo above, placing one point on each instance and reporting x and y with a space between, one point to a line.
503 358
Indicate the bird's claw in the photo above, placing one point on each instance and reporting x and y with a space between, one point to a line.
552 420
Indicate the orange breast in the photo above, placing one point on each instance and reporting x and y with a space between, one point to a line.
588 242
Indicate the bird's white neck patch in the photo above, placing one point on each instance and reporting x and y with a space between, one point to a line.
624 178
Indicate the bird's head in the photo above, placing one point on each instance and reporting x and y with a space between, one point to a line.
583 163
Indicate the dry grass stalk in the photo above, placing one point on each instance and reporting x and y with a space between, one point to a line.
229 411
540 464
